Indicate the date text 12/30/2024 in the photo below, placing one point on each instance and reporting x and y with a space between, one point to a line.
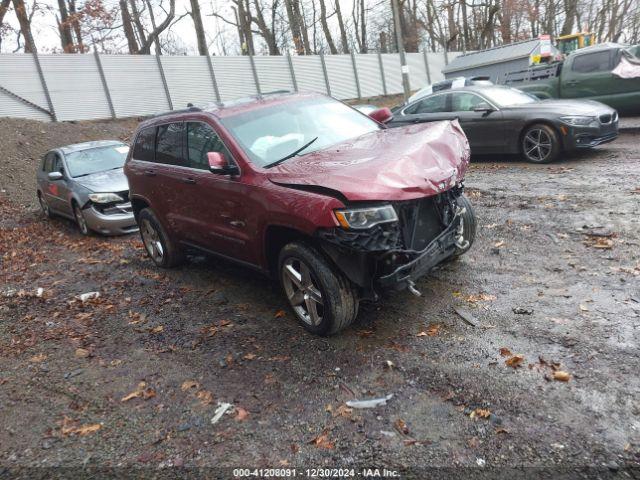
315 473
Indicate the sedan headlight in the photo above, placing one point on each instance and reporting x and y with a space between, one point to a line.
578 120
105 197
361 218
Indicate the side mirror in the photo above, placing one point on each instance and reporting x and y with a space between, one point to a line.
483 107
53 176
219 164
382 115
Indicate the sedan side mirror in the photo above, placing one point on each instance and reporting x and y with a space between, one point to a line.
483 108
382 115
53 176
219 164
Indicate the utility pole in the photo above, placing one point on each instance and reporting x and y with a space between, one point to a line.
403 60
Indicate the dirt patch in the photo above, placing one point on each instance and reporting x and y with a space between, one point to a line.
547 377
24 142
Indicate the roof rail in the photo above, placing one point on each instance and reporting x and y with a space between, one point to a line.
190 108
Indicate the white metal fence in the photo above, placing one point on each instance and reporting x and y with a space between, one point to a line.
67 87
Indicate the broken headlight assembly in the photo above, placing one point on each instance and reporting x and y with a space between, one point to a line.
105 197
365 217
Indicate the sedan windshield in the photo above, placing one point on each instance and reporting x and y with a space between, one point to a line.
506 97
274 133
94 160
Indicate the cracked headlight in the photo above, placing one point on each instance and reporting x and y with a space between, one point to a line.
578 120
105 197
362 218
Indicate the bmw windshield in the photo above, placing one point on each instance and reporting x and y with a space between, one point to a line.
278 132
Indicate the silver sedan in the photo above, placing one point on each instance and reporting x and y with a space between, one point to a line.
85 182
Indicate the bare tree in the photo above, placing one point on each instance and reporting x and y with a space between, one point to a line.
24 19
343 31
199 28
325 28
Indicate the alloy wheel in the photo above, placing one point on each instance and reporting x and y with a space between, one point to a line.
151 240
537 145
302 291
80 220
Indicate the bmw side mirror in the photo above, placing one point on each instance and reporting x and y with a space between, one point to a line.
483 108
53 176
382 115
219 164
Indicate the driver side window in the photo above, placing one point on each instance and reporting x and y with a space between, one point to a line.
201 139
434 104
465 102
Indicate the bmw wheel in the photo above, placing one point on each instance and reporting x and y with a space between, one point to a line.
540 144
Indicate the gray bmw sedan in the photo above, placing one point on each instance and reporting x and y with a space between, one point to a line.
85 182
499 119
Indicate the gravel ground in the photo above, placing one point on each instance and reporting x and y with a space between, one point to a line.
130 381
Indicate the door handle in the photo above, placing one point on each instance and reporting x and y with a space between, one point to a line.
189 180
150 173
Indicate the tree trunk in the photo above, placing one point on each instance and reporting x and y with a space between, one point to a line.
135 17
363 29
343 31
297 8
295 27
570 11
25 25
128 27
64 26
265 31
75 22
325 28
199 28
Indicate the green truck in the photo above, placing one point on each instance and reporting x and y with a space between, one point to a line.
586 74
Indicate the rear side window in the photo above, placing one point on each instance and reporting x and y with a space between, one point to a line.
143 148
47 164
592 62
201 139
169 144
465 102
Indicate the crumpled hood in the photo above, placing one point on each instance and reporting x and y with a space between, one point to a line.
390 164
109 181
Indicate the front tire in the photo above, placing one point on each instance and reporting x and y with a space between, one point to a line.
322 298
158 245
540 144
44 206
81 222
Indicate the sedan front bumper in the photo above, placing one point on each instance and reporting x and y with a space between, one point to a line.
113 223
592 135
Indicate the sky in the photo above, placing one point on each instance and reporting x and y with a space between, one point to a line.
47 39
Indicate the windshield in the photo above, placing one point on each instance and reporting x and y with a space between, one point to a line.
506 97
94 160
275 132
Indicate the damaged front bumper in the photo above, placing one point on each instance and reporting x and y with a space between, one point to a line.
393 256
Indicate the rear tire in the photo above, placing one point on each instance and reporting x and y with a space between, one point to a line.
322 298
540 144
158 245
468 226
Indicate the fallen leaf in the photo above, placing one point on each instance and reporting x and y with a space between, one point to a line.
189 384
480 413
157 329
514 361
584 308
561 376
505 352
82 353
250 356
142 391
241 414
280 314
502 430
343 411
401 426
498 244
433 329
38 358
71 427
422 334
322 441
205 396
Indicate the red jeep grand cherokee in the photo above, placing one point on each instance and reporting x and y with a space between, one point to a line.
305 188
